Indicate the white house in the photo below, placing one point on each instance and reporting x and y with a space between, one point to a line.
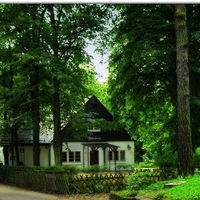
25 149
109 148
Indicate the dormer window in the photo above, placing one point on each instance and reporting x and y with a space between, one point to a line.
93 105
94 129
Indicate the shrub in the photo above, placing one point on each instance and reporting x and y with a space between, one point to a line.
159 196
167 160
94 168
124 166
118 195
70 169
196 158
137 181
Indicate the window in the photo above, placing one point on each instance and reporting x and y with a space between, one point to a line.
119 155
64 156
71 156
110 155
122 155
77 156
93 105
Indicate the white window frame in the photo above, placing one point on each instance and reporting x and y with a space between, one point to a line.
76 154
118 155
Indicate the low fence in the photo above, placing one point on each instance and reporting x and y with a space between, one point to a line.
159 174
66 183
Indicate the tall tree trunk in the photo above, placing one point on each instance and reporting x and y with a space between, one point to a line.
35 105
15 135
57 142
35 115
183 92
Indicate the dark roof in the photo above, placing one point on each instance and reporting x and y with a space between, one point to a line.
102 144
26 137
94 105
112 135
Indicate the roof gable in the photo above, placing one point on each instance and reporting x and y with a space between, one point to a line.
95 106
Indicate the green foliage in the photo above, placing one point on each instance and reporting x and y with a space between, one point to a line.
124 166
122 194
142 92
196 157
142 80
43 63
186 191
94 168
137 181
159 197
100 90
167 161
144 165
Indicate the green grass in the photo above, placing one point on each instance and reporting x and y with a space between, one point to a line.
190 190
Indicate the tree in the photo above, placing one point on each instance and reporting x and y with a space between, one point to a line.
70 25
142 80
142 75
48 44
183 92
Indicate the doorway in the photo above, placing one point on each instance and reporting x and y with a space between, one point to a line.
94 157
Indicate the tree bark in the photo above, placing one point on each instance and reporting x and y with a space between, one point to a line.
183 92
15 135
57 141
35 104
35 115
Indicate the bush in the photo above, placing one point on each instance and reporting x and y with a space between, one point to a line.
124 166
167 160
95 168
137 181
70 169
119 195
196 158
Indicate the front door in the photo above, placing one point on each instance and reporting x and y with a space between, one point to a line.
94 157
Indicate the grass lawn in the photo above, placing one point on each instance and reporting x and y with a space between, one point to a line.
189 190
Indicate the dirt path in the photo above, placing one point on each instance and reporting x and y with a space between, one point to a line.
86 197
15 193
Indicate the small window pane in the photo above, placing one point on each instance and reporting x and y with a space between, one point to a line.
77 156
122 155
71 156
116 155
64 156
110 155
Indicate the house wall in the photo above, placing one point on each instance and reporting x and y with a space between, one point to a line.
1 156
26 155
129 155
47 154
74 146
52 158
85 154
